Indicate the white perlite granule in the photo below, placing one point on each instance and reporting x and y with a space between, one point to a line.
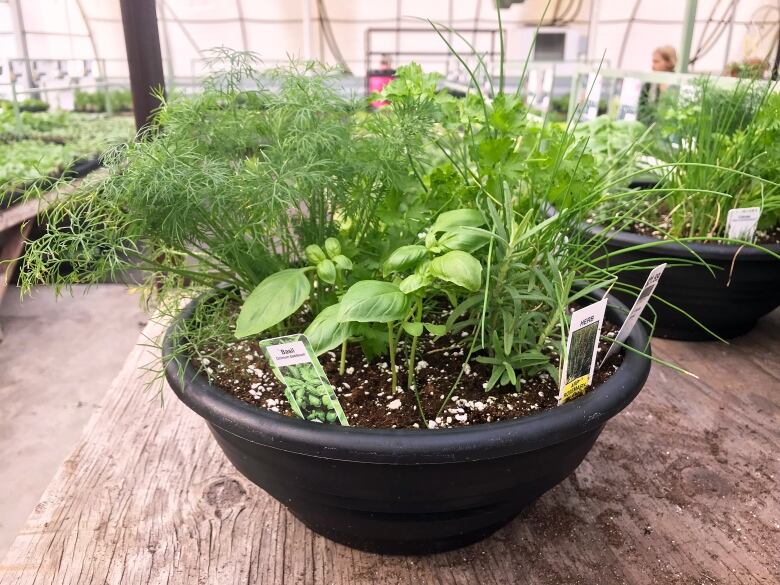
394 405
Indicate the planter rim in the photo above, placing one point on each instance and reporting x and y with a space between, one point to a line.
714 251
411 446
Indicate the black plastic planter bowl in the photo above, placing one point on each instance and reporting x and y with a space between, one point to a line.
728 309
408 491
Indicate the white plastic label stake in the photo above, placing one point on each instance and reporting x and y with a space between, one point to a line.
592 101
288 354
532 87
584 335
629 98
741 223
547 86
636 311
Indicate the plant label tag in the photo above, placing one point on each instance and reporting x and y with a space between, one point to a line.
532 87
592 98
288 354
741 223
636 311
306 386
581 347
629 98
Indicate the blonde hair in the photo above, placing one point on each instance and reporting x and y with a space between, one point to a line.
669 54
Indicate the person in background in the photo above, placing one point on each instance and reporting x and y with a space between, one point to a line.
385 65
378 78
664 60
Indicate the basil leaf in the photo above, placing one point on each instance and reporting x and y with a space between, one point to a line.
272 301
413 329
327 330
465 239
403 258
436 329
459 268
414 282
457 218
326 270
374 301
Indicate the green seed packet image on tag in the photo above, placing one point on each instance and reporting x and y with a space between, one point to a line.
307 388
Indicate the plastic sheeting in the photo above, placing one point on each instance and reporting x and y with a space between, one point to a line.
626 32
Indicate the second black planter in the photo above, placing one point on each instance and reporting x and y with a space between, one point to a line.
408 491
744 287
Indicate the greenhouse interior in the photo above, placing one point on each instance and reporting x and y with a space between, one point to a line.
354 292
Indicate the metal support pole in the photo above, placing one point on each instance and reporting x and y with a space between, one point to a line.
593 27
21 41
15 105
142 41
684 57
306 4
729 36
166 42
242 24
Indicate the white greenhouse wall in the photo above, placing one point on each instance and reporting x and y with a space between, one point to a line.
275 29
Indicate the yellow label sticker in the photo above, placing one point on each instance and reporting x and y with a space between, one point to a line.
574 388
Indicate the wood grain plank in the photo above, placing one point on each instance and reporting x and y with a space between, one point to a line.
680 488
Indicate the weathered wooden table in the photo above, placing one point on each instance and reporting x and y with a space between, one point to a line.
680 488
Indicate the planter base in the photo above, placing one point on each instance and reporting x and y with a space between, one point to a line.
405 509
401 547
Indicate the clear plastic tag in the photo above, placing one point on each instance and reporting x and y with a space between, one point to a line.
307 387
636 311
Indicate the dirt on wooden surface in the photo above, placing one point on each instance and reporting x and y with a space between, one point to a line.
365 389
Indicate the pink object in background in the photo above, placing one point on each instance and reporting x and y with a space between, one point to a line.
377 80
